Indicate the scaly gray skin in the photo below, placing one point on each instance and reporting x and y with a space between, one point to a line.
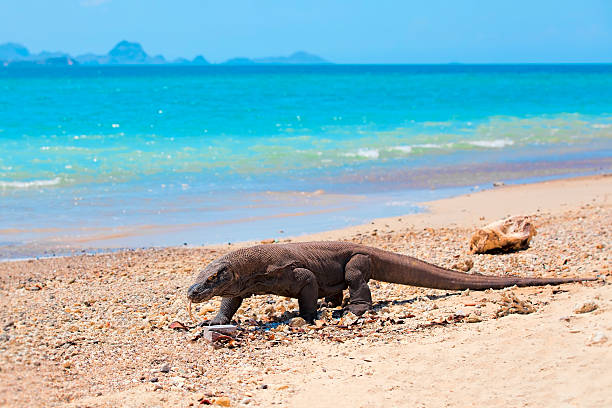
311 270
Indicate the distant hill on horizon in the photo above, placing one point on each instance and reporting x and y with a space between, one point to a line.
17 54
297 58
132 53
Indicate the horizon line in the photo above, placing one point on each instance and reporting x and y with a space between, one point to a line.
327 64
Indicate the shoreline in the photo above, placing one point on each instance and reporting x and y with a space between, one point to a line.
94 330
450 212
485 206
425 215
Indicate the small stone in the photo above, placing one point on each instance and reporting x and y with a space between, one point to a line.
297 322
177 380
222 401
154 379
348 319
472 318
586 308
597 338
215 337
510 304
263 386
283 387
165 368
463 265
228 329
268 241
67 364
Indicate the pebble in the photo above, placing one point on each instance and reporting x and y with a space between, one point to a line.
463 265
165 368
586 308
222 401
177 380
348 319
472 318
228 329
597 338
297 322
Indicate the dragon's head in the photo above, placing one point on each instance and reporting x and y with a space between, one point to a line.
212 281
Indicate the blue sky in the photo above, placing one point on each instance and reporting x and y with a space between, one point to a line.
344 31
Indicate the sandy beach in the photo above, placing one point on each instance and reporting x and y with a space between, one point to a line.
94 330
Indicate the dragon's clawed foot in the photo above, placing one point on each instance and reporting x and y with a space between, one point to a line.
359 309
309 317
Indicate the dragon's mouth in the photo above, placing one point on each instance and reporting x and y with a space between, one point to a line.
198 294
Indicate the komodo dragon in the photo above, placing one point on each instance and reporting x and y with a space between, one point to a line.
311 270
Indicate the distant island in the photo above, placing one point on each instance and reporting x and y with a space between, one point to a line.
297 58
132 53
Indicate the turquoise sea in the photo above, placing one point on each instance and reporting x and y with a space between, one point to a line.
102 157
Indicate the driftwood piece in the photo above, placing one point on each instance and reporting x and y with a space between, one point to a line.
508 235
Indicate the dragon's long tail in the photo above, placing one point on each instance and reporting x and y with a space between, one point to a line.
402 269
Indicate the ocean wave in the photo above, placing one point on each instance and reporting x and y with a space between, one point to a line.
364 153
404 149
499 143
384 152
30 184
432 145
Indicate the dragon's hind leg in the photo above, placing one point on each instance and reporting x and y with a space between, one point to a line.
357 273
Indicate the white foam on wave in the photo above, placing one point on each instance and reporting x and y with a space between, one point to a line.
30 184
499 143
431 146
601 125
368 153
365 153
405 149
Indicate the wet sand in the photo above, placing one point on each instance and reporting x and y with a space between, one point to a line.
93 330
